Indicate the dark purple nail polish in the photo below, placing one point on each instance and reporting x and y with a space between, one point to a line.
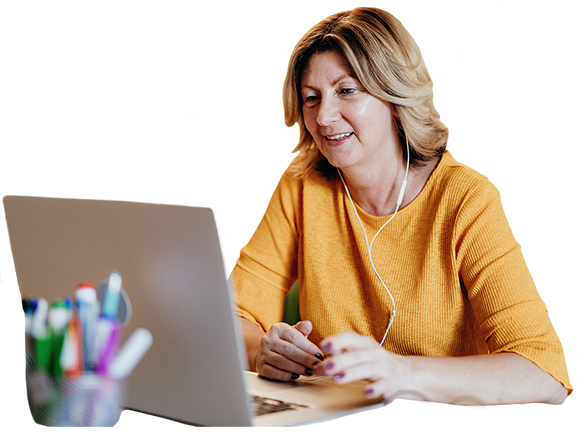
319 356
308 372
294 376
339 376
369 392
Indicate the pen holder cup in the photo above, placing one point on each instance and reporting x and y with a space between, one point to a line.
89 400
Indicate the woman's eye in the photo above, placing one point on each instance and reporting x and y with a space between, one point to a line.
347 91
311 100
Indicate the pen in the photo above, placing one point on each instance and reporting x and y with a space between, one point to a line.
68 303
30 306
108 334
72 353
130 354
57 321
41 338
88 309
112 295
109 327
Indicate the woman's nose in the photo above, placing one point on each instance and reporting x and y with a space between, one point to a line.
328 112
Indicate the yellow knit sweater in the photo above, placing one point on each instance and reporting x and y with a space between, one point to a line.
449 258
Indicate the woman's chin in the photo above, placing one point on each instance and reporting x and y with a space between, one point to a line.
343 165
339 160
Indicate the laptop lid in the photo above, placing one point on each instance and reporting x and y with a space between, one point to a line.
172 270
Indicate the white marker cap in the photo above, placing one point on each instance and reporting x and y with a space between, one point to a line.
129 356
39 322
85 293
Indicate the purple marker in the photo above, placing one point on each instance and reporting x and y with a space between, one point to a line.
108 337
109 327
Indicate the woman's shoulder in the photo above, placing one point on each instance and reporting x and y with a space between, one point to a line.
454 178
463 194
295 189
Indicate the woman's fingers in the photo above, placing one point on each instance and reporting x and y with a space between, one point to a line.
339 347
352 357
272 372
292 343
346 342
286 353
279 361
349 365
354 366
304 327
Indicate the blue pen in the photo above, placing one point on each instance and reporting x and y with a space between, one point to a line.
30 306
112 295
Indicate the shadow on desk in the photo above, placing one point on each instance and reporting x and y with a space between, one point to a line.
408 413
144 419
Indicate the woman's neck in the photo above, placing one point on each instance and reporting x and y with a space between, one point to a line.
376 191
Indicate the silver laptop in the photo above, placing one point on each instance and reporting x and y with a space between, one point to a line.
173 273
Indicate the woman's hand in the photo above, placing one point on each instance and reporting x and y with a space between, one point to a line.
499 378
285 352
352 357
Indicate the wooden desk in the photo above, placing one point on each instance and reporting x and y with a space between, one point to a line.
330 404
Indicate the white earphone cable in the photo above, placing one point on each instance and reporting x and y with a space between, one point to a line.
370 244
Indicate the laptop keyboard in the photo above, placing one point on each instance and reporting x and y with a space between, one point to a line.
268 405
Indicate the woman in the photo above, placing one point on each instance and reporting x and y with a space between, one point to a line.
409 275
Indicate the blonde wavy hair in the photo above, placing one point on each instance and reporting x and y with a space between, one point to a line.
386 60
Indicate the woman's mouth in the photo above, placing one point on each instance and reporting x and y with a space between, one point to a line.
339 137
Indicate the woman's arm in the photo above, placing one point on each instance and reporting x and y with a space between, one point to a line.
252 338
503 378
506 305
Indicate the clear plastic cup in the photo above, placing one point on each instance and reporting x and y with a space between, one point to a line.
89 400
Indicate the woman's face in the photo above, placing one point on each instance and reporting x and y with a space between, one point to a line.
351 127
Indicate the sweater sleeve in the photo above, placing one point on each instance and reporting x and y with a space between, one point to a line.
511 315
267 266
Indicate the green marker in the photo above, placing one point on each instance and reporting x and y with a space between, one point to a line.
42 342
58 320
